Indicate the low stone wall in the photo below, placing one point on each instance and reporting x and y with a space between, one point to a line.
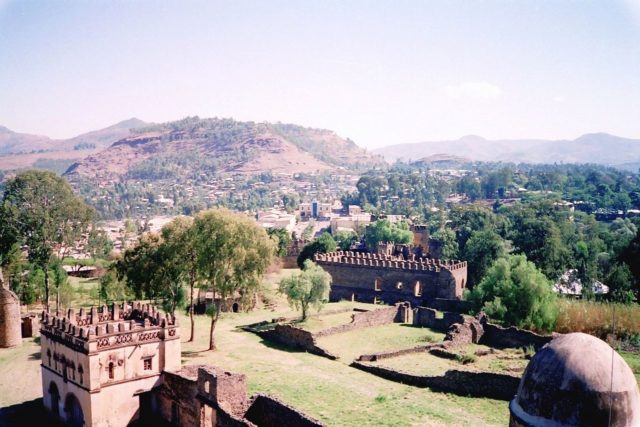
267 411
512 337
395 353
463 383
290 336
364 319
427 317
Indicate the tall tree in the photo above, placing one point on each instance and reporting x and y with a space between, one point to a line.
181 250
40 210
481 251
309 287
233 254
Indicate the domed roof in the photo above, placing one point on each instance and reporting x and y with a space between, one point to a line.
570 382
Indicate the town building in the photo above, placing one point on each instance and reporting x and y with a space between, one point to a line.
315 209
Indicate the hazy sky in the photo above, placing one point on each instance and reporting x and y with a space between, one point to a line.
377 72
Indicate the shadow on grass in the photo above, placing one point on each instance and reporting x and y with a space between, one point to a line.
27 414
195 353
281 347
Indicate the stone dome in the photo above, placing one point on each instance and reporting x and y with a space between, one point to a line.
569 383
10 327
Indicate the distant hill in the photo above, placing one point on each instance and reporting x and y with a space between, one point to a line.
600 148
193 146
104 137
19 143
21 150
13 142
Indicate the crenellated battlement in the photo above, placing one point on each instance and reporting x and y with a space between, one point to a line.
358 259
107 327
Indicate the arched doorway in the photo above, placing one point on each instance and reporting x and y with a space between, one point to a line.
54 396
73 410
235 307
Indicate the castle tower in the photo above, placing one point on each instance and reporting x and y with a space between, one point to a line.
10 329
99 364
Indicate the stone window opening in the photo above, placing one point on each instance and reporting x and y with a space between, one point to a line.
80 372
147 364
49 356
377 284
111 369
417 289
206 387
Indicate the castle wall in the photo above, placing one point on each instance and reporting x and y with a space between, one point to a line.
386 278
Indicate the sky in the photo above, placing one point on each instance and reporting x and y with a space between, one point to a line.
378 72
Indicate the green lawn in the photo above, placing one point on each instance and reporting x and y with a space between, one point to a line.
511 361
633 359
349 345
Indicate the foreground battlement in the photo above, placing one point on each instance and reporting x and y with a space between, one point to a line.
104 328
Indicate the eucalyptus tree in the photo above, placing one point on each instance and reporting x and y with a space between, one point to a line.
40 211
233 254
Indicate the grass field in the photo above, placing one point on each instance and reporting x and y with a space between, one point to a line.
328 390
509 361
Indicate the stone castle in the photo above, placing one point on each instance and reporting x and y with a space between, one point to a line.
120 365
386 278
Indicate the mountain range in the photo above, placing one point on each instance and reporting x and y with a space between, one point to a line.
21 143
600 148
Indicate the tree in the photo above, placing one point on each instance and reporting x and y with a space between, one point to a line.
180 249
151 271
40 211
344 239
233 254
384 231
283 240
309 287
99 245
112 289
621 284
322 245
515 292
481 251
449 244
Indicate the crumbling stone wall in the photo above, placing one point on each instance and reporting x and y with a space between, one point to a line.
267 411
290 336
428 317
501 337
463 383
30 325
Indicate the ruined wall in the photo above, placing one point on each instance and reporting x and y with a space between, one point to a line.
291 336
501 337
177 398
463 383
267 411
428 317
30 325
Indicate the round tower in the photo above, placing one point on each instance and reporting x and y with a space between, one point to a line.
10 328
576 380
